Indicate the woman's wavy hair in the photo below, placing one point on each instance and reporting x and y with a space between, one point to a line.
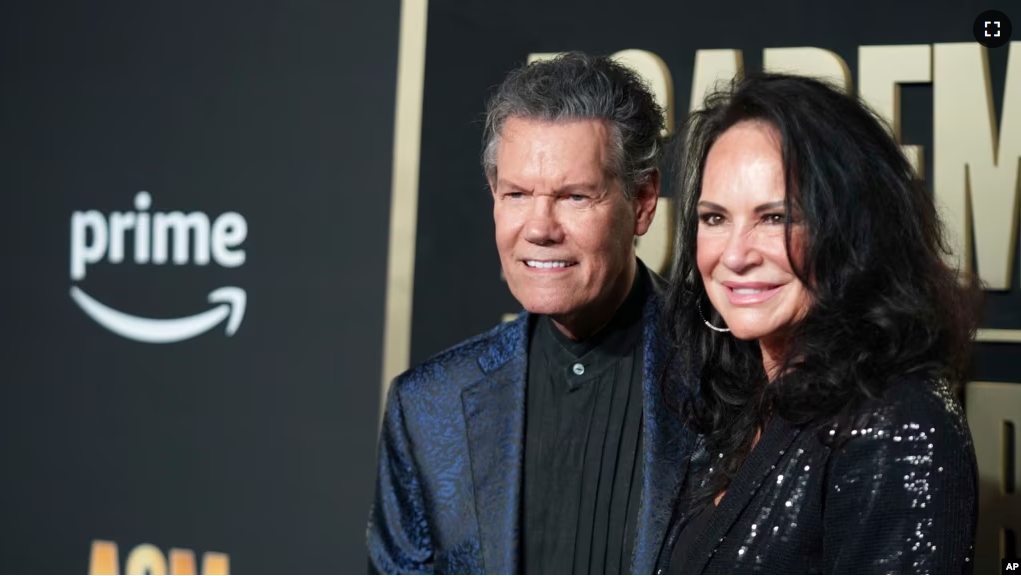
885 303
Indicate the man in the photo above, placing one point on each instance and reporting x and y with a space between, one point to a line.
545 445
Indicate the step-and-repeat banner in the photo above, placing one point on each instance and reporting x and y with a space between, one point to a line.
229 224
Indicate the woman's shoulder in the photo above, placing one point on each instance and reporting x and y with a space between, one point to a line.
914 415
905 473
914 402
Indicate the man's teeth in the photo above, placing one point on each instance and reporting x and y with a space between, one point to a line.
541 264
749 290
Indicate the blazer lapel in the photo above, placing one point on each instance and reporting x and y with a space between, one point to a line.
771 447
494 413
678 515
666 442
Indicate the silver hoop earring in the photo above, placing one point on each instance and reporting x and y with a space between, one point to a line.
698 305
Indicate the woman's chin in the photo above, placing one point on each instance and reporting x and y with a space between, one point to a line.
745 334
746 330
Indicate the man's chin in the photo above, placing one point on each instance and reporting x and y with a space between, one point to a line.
554 311
547 307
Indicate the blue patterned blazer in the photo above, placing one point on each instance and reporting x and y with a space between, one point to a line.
448 492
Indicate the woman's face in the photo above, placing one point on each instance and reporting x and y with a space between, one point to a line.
740 246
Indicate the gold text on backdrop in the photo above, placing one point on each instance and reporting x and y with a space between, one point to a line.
148 559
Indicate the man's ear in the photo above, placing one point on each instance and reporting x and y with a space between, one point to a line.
646 195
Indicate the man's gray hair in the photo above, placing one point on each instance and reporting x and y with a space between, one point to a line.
576 86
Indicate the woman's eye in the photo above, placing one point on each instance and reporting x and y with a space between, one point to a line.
774 218
711 219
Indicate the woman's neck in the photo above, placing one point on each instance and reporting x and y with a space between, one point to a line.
772 358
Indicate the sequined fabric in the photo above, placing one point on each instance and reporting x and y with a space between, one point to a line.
448 491
898 496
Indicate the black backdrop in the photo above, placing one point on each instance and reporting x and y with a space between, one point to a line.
261 445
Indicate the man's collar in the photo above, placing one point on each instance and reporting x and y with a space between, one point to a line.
617 337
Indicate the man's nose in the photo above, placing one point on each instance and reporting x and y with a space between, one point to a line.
543 226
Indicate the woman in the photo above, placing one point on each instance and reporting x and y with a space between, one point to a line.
810 286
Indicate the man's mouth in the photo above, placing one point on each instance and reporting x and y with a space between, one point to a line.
547 264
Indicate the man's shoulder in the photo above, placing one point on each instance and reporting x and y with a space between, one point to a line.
463 362
658 286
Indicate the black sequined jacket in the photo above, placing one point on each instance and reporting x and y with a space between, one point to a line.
899 496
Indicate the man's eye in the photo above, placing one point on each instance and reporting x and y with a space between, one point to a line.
578 197
515 195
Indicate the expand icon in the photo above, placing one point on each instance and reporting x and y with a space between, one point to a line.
195 240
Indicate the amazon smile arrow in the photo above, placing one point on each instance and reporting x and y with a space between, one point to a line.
166 330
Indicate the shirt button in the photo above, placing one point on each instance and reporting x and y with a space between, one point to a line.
578 369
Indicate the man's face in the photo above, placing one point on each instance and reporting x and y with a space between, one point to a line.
564 229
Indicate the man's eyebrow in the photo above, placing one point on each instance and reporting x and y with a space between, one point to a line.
504 183
578 187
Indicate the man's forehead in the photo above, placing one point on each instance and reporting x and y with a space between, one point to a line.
536 141
517 124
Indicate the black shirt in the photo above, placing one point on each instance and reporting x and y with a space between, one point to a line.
583 466
692 529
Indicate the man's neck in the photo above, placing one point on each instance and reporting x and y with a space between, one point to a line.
589 321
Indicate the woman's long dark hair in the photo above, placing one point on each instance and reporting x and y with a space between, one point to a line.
885 303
